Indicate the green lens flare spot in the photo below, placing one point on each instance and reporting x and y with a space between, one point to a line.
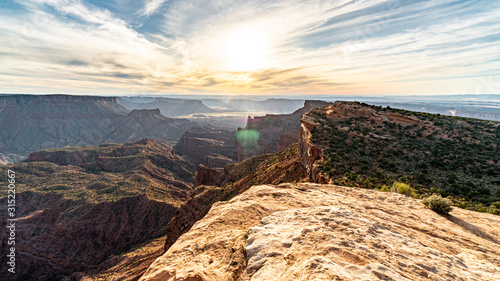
247 136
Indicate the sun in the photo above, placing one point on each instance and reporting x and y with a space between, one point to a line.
246 49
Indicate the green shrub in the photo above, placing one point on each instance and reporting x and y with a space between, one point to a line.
438 204
403 188
385 188
494 211
495 205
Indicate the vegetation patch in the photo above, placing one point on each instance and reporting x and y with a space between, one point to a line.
374 147
438 204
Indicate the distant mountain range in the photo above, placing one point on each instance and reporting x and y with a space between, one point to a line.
168 106
34 122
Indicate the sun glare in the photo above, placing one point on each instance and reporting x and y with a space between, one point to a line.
246 50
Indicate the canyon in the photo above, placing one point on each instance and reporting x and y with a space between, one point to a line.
274 131
79 206
301 196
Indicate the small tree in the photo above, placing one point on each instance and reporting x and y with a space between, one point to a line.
438 204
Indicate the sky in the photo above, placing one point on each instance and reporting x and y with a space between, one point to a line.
250 47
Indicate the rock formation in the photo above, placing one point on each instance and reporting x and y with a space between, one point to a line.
311 154
327 232
215 185
170 107
273 168
270 129
288 139
210 146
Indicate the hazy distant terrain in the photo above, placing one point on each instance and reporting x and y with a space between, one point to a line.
33 122
227 113
474 106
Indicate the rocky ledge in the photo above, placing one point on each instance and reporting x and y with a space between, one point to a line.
328 232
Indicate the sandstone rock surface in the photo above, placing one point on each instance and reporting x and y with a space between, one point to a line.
327 232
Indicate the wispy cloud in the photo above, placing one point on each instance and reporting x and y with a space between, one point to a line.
345 46
151 6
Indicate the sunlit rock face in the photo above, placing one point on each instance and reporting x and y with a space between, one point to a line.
327 232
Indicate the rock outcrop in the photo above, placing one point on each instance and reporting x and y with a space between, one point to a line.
327 232
215 185
273 168
210 176
208 146
311 154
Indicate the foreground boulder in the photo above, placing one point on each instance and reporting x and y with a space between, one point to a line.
328 232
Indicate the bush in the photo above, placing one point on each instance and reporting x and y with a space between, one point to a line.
385 188
438 204
403 188
495 205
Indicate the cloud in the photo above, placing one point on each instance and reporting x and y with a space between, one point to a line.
152 6
345 46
